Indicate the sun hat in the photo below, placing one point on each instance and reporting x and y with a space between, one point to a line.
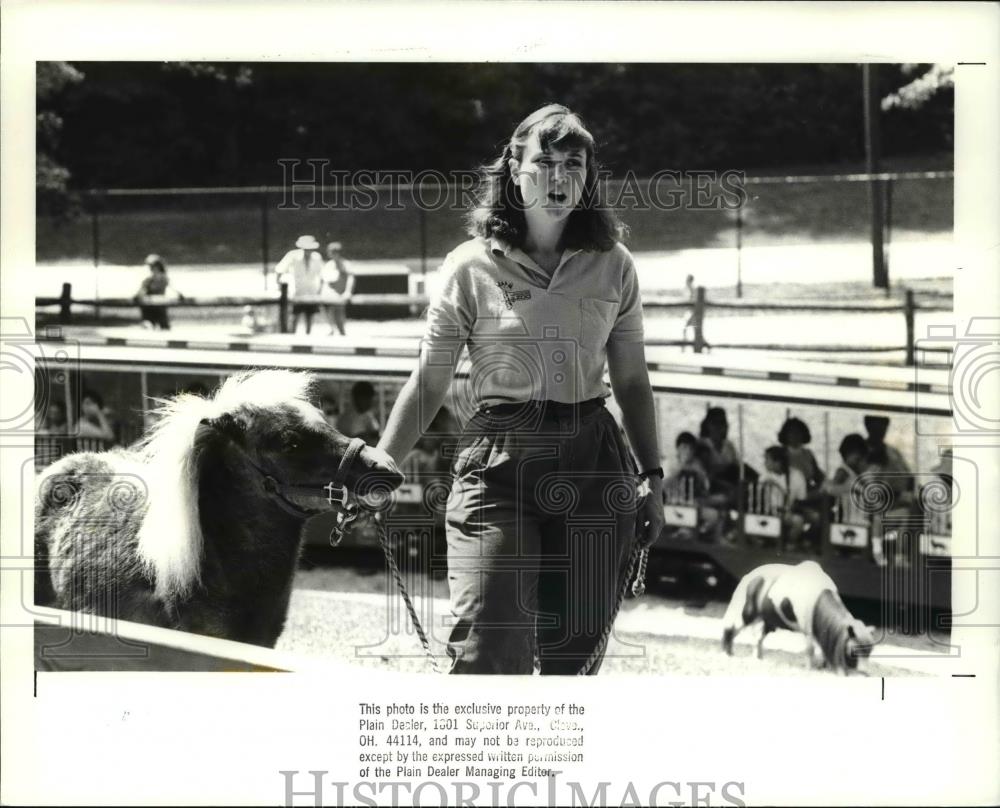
307 243
335 245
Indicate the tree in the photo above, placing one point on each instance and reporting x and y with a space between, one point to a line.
920 90
52 196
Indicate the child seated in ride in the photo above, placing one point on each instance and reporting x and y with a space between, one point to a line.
691 476
794 436
783 491
721 460
689 485
853 456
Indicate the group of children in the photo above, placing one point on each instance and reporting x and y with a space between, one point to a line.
792 485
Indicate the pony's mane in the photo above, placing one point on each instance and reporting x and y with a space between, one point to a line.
170 539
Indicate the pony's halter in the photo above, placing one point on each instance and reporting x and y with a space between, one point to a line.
337 493
348 508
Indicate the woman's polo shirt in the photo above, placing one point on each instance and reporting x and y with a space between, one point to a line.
529 335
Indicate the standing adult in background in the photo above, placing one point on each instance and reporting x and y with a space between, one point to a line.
885 458
302 270
545 276
155 285
338 286
691 323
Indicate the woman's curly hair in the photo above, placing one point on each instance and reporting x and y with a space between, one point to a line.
499 210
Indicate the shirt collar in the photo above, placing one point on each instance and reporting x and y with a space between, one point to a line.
500 247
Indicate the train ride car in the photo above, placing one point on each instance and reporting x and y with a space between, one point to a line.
880 541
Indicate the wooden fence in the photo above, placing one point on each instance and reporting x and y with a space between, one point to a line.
908 307
281 300
700 306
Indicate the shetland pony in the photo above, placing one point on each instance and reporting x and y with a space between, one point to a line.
197 527
798 598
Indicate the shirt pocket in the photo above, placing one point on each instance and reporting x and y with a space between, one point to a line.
596 320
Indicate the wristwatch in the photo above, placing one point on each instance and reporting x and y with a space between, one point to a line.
657 472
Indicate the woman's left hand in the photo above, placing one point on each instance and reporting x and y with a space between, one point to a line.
650 517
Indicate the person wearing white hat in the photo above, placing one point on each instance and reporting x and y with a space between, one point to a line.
302 269
338 286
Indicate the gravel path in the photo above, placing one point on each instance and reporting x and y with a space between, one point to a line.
346 614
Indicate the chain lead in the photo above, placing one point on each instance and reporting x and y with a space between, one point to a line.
637 565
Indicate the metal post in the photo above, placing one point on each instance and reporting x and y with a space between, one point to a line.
741 489
908 312
263 235
95 236
144 398
95 233
68 398
739 251
887 227
66 303
699 319
873 148
423 239
826 442
283 308
826 506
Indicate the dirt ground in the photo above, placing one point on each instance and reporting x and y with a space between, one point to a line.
354 613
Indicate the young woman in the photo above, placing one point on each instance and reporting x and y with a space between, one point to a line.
543 517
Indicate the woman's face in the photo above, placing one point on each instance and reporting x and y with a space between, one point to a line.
551 181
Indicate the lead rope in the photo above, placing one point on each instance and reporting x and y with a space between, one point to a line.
383 539
637 564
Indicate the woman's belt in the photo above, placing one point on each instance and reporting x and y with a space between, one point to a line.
546 409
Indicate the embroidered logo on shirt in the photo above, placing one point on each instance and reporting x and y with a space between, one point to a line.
510 297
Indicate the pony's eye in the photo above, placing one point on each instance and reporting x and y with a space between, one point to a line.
289 442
